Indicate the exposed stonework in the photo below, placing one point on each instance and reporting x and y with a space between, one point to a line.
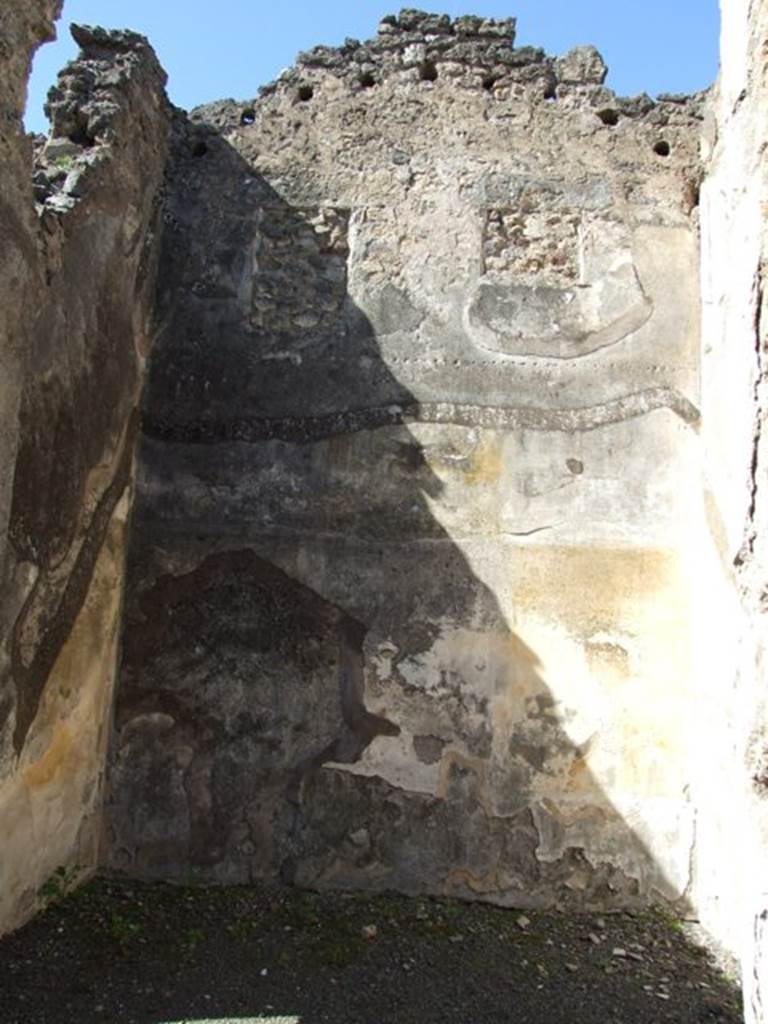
82 297
427 364
423 592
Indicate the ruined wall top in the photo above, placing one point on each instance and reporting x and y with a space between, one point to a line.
115 84
471 52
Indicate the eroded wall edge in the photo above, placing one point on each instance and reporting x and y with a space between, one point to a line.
731 865
82 210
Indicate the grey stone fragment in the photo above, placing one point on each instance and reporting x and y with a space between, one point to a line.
360 837
75 182
61 202
678 98
434 24
412 20
504 29
321 57
582 64
60 148
635 106
90 37
467 25
519 57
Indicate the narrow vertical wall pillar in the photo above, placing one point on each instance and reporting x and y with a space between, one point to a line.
23 27
76 290
731 861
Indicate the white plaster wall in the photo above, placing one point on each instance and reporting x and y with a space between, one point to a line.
731 868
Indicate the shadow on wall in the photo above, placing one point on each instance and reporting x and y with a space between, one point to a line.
315 682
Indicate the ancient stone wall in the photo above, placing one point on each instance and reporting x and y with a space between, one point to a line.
77 282
23 27
425 591
409 599
732 781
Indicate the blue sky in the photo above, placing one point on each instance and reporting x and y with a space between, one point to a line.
218 48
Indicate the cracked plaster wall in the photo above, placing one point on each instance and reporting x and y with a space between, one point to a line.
76 283
730 787
409 599
417 555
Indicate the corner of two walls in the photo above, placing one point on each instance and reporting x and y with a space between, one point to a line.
76 287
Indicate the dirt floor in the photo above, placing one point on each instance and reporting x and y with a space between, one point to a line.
152 954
